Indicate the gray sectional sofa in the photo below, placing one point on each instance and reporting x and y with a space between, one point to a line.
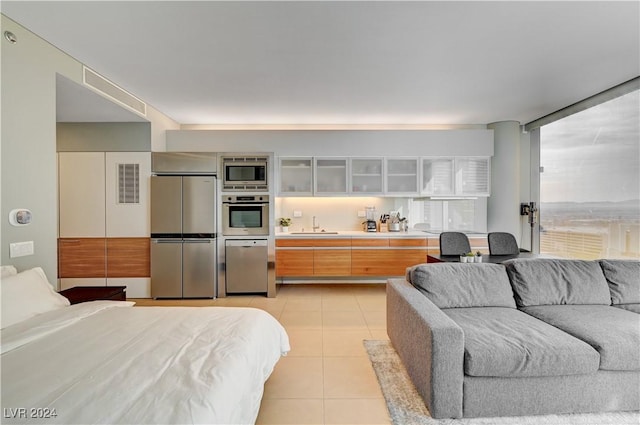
527 337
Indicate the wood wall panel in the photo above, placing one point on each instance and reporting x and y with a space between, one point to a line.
81 257
128 257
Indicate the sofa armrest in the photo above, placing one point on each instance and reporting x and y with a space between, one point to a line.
431 346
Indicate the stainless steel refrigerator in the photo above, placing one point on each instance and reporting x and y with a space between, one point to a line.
183 236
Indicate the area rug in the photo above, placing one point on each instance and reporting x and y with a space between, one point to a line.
407 408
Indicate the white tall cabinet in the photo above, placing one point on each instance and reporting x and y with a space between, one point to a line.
104 220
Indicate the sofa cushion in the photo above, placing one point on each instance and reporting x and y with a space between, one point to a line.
623 277
546 281
450 285
613 332
630 307
505 342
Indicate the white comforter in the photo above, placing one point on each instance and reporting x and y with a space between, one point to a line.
98 363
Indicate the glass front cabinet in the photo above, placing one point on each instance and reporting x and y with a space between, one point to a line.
331 176
377 176
367 176
296 176
402 176
459 176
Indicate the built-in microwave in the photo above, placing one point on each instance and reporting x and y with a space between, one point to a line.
245 215
245 173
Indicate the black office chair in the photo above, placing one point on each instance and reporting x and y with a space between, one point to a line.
454 243
502 243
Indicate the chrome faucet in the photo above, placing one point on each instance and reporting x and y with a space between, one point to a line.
316 226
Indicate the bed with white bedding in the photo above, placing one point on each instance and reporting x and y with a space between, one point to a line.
108 362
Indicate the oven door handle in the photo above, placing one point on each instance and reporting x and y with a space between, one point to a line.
227 204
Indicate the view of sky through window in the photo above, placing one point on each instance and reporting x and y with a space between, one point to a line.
590 183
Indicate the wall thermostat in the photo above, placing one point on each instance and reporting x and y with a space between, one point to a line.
20 217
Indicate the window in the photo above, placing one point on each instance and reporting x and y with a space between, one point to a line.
590 182
446 215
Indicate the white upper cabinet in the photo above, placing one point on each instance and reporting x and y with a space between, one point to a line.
459 176
389 176
438 177
367 176
402 176
296 176
104 194
81 182
331 176
473 176
127 193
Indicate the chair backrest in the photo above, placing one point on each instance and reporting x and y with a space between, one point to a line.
454 243
502 243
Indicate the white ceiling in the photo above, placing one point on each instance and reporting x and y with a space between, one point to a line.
303 62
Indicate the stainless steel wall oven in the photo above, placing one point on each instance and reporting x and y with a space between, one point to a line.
245 215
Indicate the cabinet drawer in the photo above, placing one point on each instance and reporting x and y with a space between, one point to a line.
81 257
370 242
407 242
286 242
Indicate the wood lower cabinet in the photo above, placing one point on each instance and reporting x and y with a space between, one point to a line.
331 262
103 257
313 257
348 257
385 262
294 262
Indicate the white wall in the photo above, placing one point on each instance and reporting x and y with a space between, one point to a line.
469 142
28 145
503 205
28 114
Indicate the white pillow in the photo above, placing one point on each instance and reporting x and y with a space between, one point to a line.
6 271
28 294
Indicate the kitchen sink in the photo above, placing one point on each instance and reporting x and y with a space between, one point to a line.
314 233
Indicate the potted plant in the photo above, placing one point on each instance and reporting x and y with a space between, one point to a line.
470 257
478 258
285 222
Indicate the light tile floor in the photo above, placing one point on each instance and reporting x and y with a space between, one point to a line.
327 377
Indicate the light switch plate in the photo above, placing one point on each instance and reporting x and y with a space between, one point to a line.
297 213
20 249
361 213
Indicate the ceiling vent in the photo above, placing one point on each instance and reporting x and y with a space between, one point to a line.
107 88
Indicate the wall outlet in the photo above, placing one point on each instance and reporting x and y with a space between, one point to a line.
361 214
297 213
20 249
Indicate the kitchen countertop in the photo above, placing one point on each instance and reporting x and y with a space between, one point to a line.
362 234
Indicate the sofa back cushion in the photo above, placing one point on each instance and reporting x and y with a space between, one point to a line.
623 277
452 285
546 281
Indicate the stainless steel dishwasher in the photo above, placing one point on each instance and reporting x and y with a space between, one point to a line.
246 266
